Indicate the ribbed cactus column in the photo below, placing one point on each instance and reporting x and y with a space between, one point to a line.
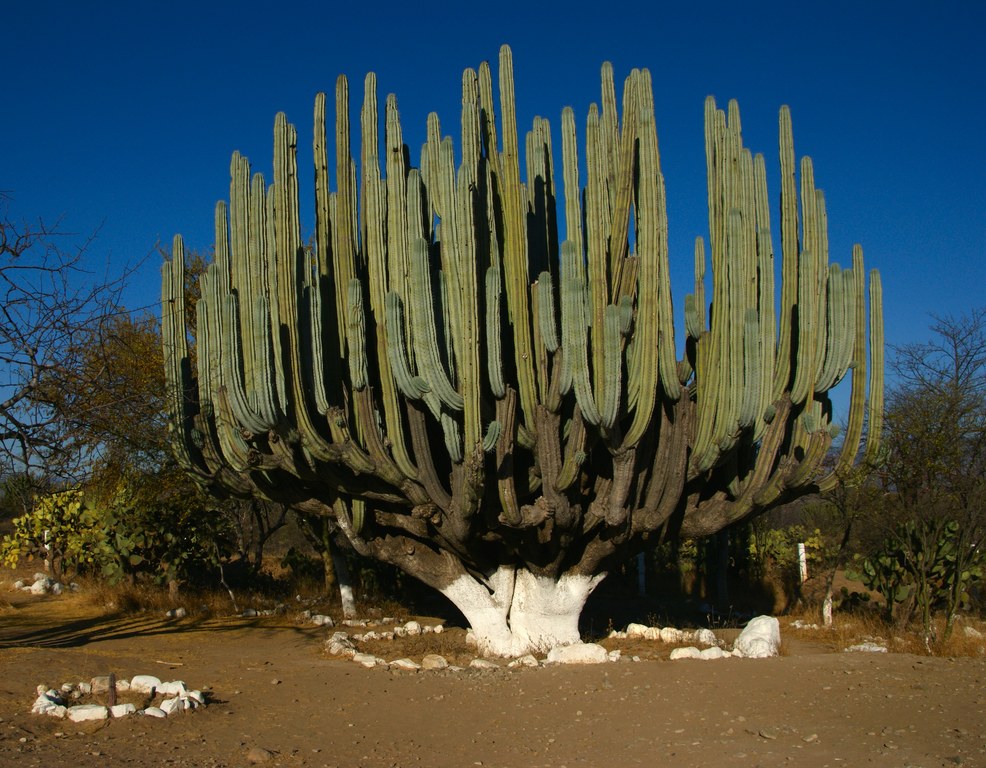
506 439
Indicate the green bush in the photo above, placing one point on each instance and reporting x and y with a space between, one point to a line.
61 530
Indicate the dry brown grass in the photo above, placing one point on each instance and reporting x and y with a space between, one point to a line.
849 629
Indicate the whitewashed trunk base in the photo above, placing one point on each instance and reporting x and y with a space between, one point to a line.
516 612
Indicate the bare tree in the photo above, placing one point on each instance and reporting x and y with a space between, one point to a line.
50 301
936 460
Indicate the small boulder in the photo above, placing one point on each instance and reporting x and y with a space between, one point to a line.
434 661
154 712
685 653
83 712
367 660
412 628
636 630
173 705
524 661
714 652
579 653
760 639
671 635
173 688
405 665
705 637
321 620
144 683
122 710
483 664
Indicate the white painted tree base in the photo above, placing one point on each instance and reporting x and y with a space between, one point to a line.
515 613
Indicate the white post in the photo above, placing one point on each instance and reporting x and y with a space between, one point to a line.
802 562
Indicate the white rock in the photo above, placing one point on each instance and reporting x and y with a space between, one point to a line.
671 635
19 584
615 633
321 620
636 630
122 710
760 639
177 613
434 661
866 648
652 633
972 632
579 653
154 712
438 629
122 685
57 588
171 706
714 652
39 576
249 613
339 637
524 661
426 629
198 697
406 665
400 632
471 638
615 655
685 653
84 688
144 683
483 664
705 637
341 649
173 688
40 587
43 703
412 628
368 660
386 635
83 712
371 635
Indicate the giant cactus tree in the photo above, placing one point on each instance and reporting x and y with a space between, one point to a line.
502 416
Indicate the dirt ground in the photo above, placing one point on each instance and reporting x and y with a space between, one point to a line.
277 699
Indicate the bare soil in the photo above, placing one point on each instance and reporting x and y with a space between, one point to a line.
277 699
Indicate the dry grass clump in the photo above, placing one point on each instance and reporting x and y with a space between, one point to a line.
451 643
853 628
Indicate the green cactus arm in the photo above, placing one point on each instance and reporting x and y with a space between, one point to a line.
424 336
613 373
515 254
232 377
398 251
546 312
597 257
468 330
411 386
875 426
808 333
494 361
179 383
766 304
574 331
656 222
790 254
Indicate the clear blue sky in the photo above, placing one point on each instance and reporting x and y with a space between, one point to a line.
121 116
